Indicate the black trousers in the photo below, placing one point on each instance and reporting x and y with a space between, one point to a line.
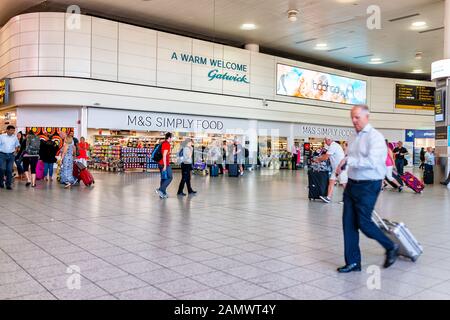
294 162
422 164
220 168
30 162
185 177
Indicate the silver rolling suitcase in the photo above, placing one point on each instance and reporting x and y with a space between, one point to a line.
400 234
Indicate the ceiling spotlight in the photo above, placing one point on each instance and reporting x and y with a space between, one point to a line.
292 15
418 55
417 71
321 46
419 24
248 26
376 61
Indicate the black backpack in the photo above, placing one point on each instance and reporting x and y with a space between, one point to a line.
157 154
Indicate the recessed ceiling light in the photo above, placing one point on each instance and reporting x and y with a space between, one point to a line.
248 26
419 24
375 61
321 46
417 71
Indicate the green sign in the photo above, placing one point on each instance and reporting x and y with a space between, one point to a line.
234 72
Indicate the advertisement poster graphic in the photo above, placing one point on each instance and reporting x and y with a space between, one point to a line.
44 132
303 83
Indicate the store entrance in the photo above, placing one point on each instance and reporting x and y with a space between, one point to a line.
119 151
273 152
418 145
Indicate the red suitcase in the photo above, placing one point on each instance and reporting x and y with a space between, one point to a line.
82 173
413 182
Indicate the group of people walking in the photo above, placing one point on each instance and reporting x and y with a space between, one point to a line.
221 157
36 158
360 167
395 163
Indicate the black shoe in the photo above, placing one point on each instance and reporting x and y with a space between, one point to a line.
391 256
349 268
27 184
8 188
192 192
181 194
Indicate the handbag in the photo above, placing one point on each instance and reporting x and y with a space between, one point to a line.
405 162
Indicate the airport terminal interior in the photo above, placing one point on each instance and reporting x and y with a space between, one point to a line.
224 150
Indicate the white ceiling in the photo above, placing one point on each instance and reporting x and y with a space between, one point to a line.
339 23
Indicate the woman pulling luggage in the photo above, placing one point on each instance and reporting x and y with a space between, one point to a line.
390 170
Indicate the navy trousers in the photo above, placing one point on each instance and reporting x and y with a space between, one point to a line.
359 201
400 164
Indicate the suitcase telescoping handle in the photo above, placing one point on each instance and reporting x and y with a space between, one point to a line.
379 220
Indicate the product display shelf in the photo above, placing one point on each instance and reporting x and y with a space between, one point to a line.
137 158
105 157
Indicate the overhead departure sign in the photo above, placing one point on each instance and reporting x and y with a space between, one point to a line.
414 97
440 105
4 91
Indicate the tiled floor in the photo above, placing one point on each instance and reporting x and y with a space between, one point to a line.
254 237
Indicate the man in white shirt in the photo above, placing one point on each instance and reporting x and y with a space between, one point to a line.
8 145
366 156
335 154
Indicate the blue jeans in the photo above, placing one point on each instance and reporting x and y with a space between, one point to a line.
399 164
48 169
165 182
6 168
359 202
19 166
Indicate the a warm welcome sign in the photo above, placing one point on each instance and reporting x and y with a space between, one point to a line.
232 71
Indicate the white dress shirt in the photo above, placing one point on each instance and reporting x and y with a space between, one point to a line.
429 158
8 144
336 154
367 152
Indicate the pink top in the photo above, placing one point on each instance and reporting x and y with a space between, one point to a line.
389 161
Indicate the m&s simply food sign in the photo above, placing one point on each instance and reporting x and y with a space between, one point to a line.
232 71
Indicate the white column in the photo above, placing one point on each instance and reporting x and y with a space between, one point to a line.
447 30
447 56
252 47
253 141
291 137
83 122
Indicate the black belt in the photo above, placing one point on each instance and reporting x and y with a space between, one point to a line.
7 153
363 181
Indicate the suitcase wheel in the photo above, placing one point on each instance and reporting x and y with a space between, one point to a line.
414 259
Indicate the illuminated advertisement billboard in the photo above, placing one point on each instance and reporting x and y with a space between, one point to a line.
303 83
